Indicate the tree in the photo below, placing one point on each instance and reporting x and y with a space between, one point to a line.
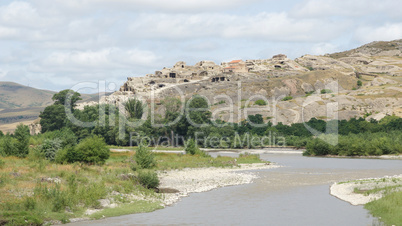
135 108
53 118
359 83
1 134
22 135
68 95
172 106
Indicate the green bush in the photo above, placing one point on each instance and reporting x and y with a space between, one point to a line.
148 179
260 102
317 147
8 146
92 150
61 156
144 159
287 98
191 147
324 91
359 83
49 148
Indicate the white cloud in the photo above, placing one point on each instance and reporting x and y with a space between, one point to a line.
387 32
339 8
171 6
270 26
324 48
95 61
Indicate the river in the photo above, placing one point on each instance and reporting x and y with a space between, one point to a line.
295 194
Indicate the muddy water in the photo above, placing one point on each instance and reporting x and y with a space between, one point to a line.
296 194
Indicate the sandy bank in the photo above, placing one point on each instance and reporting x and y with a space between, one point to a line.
188 181
354 191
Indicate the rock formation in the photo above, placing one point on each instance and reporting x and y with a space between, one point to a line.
324 87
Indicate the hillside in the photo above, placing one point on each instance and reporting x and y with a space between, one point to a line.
23 104
13 95
364 82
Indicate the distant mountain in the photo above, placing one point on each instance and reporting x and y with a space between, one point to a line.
19 103
13 95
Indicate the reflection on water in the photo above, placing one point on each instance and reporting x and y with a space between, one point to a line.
297 194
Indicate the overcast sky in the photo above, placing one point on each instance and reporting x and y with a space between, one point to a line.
55 44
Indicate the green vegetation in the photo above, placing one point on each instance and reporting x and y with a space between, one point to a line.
309 93
148 179
225 135
260 102
135 108
324 91
359 83
388 208
220 102
287 98
361 138
91 150
143 159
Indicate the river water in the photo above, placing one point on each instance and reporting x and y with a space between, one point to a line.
296 194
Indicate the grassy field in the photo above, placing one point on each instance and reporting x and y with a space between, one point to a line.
35 191
388 208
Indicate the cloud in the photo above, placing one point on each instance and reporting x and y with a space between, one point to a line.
324 48
387 32
171 6
95 61
268 26
339 8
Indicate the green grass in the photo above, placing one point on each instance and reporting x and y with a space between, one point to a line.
167 161
389 208
131 208
377 190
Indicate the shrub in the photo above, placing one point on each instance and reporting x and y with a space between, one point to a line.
324 91
49 148
287 98
61 156
359 83
148 179
91 150
191 147
8 146
144 159
317 147
260 102
22 135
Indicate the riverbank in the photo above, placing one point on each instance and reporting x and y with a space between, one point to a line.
188 181
175 184
381 196
363 191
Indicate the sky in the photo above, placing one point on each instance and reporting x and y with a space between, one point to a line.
60 44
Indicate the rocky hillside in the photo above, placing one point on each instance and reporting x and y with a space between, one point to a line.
364 82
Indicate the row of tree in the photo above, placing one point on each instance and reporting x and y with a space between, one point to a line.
107 123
